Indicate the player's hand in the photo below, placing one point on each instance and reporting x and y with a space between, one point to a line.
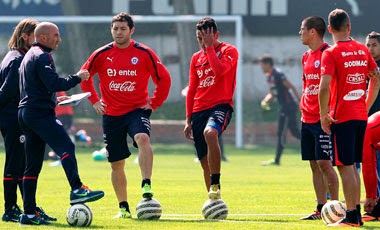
188 133
208 36
369 204
62 98
99 107
83 74
265 106
146 107
326 121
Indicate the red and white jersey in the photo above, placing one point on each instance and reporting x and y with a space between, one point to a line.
212 78
124 76
311 65
370 145
348 62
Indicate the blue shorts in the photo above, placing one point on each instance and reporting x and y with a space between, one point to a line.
217 117
315 144
116 129
347 139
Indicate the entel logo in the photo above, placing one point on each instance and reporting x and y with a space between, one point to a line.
125 72
354 95
356 78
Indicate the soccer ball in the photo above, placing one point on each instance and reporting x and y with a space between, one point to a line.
148 209
100 155
215 209
79 215
333 211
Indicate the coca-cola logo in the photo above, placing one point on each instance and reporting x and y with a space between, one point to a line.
207 82
311 90
123 86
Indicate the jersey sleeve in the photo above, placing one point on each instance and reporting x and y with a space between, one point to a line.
193 84
88 86
50 78
161 78
9 89
327 63
225 63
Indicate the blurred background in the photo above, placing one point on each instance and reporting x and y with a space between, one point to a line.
269 26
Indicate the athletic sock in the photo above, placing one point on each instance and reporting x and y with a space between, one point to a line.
319 207
145 181
215 179
124 204
352 216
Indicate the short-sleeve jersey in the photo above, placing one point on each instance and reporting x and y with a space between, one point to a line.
212 78
348 62
124 76
311 77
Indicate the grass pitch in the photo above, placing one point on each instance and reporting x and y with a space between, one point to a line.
271 197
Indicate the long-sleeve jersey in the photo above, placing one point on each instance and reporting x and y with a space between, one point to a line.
124 76
9 82
275 80
311 65
212 78
370 145
348 63
39 80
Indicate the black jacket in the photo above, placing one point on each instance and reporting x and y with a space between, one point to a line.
39 80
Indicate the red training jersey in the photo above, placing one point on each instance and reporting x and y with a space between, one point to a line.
63 110
370 145
348 62
311 77
212 78
124 76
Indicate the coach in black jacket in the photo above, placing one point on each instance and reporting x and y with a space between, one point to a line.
39 83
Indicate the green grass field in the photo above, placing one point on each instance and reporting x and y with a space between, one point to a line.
258 197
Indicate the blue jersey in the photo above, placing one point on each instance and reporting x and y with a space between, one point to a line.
39 80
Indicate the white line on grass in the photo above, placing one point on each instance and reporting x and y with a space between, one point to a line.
241 214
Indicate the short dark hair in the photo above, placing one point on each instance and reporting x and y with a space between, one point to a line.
123 17
338 19
206 23
317 23
374 35
266 59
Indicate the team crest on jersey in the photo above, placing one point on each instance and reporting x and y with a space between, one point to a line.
317 63
22 139
218 53
134 60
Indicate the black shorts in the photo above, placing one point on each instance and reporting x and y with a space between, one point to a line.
347 139
116 129
315 144
217 117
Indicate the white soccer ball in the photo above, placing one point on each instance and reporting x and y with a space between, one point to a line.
148 209
215 209
333 211
79 215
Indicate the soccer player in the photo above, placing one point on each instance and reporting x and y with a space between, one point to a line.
38 83
344 105
373 45
19 43
124 67
315 144
370 161
209 100
280 87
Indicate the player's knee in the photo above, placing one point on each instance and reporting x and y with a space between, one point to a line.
210 133
142 139
118 165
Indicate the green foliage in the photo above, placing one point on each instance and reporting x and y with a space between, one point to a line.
271 197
